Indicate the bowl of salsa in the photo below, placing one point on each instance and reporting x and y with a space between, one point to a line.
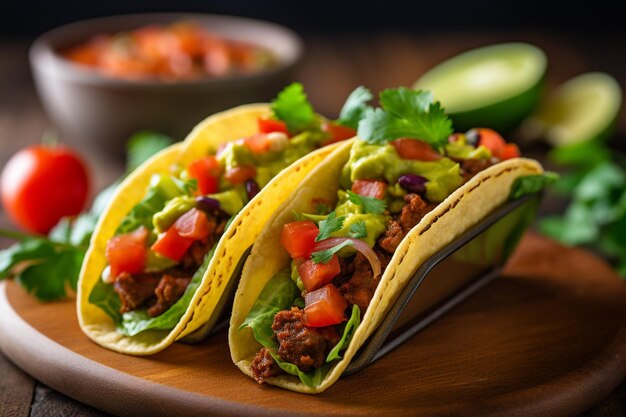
102 80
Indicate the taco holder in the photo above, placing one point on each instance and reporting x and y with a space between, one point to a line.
445 280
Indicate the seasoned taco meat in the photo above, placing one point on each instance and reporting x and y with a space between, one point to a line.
135 290
264 366
415 209
392 236
471 167
303 346
169 290
359 289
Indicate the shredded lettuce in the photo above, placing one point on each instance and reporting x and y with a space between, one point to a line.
347 333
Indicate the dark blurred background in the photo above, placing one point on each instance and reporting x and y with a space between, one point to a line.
589 18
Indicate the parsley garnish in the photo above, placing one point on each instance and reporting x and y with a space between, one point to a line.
324 256
406 113
355 107
370 204
329 226
358 230
292 106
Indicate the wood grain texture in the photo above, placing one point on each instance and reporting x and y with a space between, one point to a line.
546 339
16 390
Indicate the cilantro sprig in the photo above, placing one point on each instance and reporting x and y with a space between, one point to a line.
324 256
355 107
370 205
358 230
406 113
293 107
330 225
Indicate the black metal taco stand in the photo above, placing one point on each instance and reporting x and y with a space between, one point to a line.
445 280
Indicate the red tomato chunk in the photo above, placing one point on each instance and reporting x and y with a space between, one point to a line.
172 245
193 224
324 307
127 252
241 174
314 275
415 150
370 188
206 172
337 132
298 238
272 125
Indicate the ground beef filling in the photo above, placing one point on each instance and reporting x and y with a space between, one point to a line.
305 347
157 292
264 366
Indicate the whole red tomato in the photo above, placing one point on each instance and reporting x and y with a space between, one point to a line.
40 184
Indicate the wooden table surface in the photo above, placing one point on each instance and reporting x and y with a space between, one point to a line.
332 67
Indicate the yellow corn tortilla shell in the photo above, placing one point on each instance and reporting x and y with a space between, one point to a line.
465 207
241 234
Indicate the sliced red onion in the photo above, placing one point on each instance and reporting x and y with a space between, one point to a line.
358 245
413 183
252 188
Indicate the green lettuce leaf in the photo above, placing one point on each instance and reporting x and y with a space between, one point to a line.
348 331
279 293
141 214
531 184
311 379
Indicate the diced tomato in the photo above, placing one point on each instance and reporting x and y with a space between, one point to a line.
491 140
127 252
194 224
206 172
272 125
415 149
510 151
298 238
258 143
337 132
324 307
314 275
370 188
172 245
240 174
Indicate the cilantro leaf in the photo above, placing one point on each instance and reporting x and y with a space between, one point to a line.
370 204
406 113
324 256
292 106
354 107
358 230
329 226
530 184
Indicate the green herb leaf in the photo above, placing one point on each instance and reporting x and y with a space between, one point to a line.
358 230
530 184
331 224
279 293
406 113
292 106
370 204
311 379
324 256
142 145
348 331
355 106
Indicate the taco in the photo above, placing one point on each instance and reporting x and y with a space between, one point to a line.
334 257
165 249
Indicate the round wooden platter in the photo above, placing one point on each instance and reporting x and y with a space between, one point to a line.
547 338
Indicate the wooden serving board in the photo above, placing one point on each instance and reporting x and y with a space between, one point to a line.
547 338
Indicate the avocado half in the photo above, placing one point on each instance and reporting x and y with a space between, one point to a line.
584 108
494 86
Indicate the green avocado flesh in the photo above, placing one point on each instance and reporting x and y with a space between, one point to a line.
582 109
494 86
